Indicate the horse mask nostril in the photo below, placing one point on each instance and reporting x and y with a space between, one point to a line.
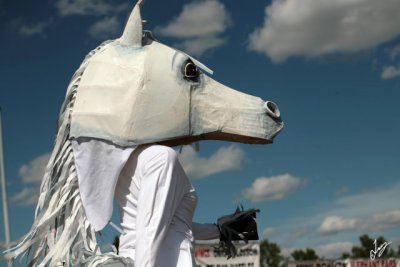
272 109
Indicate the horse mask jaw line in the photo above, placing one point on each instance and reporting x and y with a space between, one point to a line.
132 94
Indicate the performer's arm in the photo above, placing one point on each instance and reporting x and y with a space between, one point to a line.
205 231
161 191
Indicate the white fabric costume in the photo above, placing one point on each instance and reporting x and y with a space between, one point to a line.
157 203
156 200
126 94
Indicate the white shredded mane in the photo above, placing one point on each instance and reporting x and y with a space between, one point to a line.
61 235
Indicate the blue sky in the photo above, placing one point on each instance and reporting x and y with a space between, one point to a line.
333 68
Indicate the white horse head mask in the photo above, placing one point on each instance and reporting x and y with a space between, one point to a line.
135 90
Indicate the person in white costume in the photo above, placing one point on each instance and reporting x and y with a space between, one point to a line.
157 202
129 101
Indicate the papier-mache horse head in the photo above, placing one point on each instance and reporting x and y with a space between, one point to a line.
136 90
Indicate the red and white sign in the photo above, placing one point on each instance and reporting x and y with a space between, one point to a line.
248 256
391 262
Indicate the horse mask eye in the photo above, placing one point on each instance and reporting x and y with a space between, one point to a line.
190 71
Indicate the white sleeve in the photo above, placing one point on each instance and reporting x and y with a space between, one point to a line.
161 191
205 231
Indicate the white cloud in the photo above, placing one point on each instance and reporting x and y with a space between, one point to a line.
105 28
389 72
373 222
366 207
385 220
379 200
287 251
88 7
342 190
271 188
394 52
28 196
333 250
224 159
270 231
327 251
31 174
33 171
381 212
34 29
334 224
199 26
297 233
203 18
197 46
313 28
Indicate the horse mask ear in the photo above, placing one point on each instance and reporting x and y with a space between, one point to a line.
133 32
